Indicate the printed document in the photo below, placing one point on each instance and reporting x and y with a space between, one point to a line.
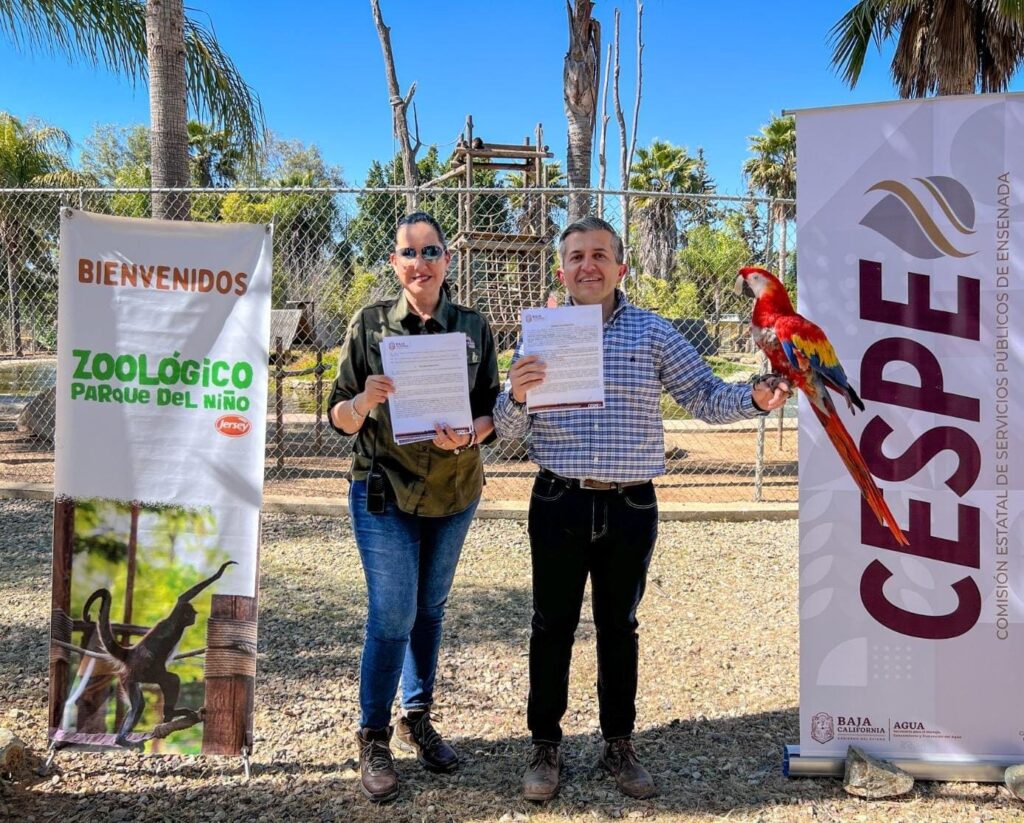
431 384
568 340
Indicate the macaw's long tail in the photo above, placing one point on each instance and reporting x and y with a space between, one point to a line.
854 461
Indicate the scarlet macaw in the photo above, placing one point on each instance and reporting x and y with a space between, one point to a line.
800 352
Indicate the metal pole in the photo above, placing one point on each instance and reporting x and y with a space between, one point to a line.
759 464
279 405
318 397
947 769
759 458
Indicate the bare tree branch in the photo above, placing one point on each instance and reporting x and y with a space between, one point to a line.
602 158
623 168
399 106
639 80
416 130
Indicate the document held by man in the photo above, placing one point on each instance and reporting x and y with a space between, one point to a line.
431 384
568 340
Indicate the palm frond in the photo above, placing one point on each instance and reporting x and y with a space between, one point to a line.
852 35
218 92
948 47
112 33
100 32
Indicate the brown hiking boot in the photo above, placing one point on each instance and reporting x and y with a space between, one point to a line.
377 776
417 733
631 777
540 782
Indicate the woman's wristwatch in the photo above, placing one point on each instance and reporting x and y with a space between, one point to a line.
469 445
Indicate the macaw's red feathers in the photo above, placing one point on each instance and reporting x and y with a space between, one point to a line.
854 462
801 352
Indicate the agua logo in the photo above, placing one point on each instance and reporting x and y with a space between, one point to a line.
910 725
233 425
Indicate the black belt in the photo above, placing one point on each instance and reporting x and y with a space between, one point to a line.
589 483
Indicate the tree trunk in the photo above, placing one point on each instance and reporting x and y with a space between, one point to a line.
580 83
399 109
168 109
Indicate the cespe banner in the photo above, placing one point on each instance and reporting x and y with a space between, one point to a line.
161 422
910 227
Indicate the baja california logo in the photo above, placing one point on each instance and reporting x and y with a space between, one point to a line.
906 219
233 425
822 727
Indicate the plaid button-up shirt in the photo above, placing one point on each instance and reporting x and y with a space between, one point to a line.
625 440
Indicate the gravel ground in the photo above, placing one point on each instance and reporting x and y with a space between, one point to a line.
718 694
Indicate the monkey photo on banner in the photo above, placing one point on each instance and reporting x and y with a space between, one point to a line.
140 585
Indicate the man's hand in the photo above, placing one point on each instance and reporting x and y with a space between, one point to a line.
770 392
526 373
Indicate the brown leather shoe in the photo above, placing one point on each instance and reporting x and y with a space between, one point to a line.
631 777
377 776
540 782
416 732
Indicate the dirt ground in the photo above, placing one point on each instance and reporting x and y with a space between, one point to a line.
718 695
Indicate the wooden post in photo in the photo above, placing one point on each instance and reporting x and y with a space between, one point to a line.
60 606
230 675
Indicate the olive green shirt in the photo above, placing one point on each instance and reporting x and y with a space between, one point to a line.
426 480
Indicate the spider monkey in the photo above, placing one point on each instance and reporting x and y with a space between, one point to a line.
146 661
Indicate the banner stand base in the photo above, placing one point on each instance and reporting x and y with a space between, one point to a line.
51 753
958 770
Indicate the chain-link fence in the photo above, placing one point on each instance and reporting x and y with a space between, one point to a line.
330 257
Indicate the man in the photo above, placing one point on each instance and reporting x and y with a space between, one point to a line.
593 510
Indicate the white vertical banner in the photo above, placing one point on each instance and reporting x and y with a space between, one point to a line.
911 234
159 452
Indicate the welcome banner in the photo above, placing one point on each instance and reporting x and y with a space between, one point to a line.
910 250
161 410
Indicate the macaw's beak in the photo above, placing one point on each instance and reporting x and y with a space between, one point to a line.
741 288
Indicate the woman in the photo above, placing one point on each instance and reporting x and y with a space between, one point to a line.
411 505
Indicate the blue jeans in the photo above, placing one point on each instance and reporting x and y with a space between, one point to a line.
409 563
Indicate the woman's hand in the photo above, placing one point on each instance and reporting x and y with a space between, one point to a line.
377 389
448 439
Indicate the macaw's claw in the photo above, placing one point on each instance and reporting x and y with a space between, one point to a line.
772 380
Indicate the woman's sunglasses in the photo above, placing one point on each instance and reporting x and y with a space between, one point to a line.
429 253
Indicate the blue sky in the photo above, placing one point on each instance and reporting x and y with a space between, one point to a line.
713 73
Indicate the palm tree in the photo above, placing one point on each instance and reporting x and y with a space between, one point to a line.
580 81
168 110
942 46
772 171
534 213
31 154
216 160
663 167
135 38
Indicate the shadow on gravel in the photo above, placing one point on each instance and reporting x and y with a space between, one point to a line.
488 615
701 766
22 647
298 642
